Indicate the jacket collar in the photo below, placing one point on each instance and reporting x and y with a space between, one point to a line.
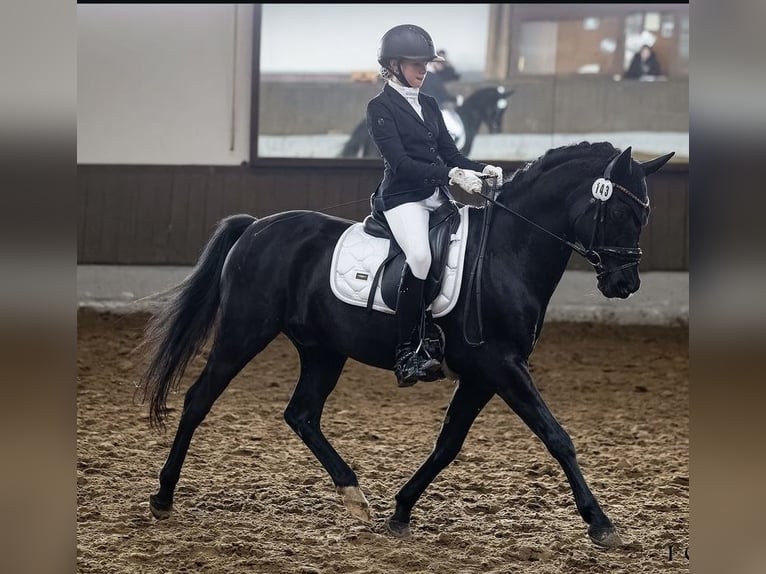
399 100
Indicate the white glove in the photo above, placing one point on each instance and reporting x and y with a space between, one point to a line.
494 171
468 179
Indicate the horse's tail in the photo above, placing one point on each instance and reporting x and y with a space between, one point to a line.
177 333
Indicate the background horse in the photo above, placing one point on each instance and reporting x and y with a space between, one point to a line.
257 278
484 106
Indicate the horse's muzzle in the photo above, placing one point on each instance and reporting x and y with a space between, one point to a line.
620 284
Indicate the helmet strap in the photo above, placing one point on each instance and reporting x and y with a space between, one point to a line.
399 76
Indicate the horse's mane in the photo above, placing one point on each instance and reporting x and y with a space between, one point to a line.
598 153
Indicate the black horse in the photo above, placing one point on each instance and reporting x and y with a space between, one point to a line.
484 106
260 277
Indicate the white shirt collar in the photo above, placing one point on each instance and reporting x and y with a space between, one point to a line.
407 93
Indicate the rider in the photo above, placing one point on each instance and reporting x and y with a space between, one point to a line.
419 160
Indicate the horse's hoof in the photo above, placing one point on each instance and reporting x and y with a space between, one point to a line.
355 502
398 529
159 510
605 536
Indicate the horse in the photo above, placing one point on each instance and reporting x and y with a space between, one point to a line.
259 277
484 106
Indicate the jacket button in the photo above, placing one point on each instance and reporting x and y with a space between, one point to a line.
430 135
432 149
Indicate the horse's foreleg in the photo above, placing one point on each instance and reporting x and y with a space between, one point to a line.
320 370
519 392
466 404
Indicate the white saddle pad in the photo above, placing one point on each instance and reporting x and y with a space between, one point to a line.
358 256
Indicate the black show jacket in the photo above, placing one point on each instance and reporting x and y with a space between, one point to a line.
417 154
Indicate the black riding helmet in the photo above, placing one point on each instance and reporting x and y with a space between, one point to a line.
406 42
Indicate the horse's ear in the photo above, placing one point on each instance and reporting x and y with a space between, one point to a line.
622 165
655 164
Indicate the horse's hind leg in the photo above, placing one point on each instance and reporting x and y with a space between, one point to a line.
320 370
234 346
518 390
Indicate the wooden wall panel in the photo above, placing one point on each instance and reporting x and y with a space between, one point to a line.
82 214
153 205
214 211
179 197
197 231
165 215
667 239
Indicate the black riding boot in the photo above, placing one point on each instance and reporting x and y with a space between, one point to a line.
410 366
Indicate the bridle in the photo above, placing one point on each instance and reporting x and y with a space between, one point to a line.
602 190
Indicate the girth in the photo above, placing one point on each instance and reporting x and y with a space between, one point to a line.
443 223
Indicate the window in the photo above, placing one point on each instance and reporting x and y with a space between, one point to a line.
318 67
584 39
574 46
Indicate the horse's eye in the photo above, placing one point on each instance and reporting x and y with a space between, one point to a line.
619 214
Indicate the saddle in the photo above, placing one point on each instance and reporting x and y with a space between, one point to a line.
443 224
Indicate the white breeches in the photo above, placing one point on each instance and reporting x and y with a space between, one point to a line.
409 224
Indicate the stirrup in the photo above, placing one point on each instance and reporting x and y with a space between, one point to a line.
429 361
433 342
408 367
411 367
431 348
